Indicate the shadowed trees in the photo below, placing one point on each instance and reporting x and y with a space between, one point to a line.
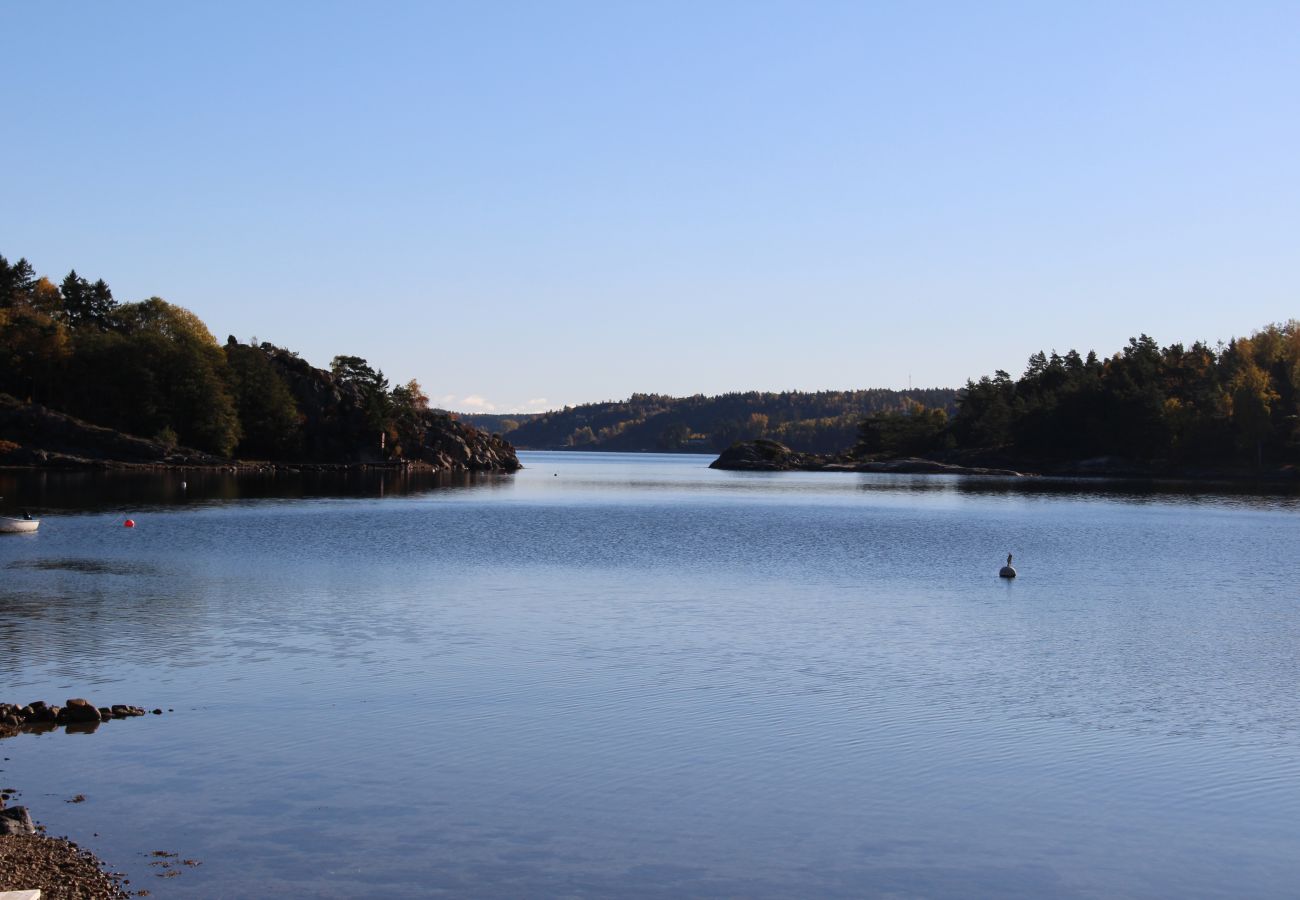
268 416
910 432
157 370
153 369
1176 404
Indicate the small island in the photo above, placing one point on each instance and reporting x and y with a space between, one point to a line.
770 456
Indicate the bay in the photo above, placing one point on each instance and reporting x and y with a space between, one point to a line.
629 675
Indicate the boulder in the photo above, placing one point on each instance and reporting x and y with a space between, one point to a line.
16 820
41 712
80 710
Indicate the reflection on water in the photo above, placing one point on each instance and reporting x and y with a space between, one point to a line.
85 566
634 676
134 490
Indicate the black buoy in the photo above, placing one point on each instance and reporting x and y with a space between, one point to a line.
1007 571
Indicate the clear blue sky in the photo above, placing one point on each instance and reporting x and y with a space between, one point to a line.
528 204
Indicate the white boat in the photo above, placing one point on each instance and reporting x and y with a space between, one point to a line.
18 526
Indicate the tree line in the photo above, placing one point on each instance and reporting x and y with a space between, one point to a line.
1237 403
153 369
821 421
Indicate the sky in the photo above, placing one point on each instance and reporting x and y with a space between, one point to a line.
525 205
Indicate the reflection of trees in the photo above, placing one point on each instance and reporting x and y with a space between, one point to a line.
1129 490
133 491
77 628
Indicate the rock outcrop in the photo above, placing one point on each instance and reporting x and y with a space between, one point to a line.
770 456
763 456
335 426
32 435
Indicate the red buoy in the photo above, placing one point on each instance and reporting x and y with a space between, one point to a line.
129 523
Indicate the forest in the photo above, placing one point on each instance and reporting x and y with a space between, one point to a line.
153 369
822 421
1234 404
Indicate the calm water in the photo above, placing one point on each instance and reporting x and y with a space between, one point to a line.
630 676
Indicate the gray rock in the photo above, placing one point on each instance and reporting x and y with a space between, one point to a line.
16 820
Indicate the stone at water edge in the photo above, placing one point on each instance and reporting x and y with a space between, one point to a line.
16 820
79 710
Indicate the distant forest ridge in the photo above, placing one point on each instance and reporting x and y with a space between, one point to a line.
1171 408
816 421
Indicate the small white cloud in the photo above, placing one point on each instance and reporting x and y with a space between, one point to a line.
537 404
476 403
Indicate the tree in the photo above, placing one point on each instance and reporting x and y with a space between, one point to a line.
913 431
16 282
163 368
1252 398
86 304
409 406
674 437
372 386
269 421
34 345
581 436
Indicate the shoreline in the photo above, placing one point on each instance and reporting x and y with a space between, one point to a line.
36 438
769 456
57 866
244 467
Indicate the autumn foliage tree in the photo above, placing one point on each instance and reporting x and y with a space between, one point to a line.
1176 404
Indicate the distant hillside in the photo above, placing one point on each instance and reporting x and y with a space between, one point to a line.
492 423
821 422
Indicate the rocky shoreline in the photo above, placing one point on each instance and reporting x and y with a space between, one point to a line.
35 437
39 716
770 456
32 860
58 868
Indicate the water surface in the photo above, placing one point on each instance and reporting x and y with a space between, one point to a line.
630 675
